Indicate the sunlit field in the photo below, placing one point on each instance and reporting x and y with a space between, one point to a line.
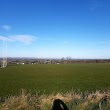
54 78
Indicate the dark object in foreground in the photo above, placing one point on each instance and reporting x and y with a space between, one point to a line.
59 105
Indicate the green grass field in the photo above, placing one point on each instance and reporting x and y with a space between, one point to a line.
54 78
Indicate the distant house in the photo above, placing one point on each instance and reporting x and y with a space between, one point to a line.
22 63
47 62
57 63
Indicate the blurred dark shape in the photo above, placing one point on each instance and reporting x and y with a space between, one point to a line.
59 105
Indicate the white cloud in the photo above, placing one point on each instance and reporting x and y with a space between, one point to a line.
26 39
5 38
6 27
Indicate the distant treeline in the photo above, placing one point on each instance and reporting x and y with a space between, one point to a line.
54 61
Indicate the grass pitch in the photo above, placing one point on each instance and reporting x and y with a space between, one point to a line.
54 78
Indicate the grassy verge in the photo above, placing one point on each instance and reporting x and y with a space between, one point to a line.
98 100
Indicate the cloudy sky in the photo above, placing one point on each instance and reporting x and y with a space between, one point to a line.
55 28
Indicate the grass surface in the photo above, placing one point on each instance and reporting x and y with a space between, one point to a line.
54 78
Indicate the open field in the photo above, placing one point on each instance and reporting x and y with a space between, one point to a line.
54 78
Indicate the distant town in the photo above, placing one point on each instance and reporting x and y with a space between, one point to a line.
67 60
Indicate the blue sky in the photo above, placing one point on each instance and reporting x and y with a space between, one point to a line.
55 28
